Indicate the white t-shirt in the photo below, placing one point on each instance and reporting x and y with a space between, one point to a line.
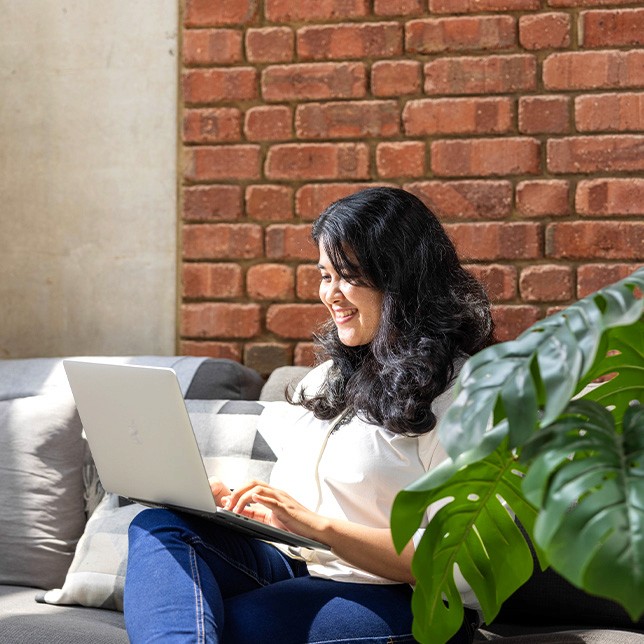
351 472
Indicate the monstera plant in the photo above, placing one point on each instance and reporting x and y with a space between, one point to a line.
546 431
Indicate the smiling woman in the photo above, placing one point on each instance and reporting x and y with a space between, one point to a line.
404 315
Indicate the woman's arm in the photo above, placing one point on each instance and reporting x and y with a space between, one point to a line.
370 549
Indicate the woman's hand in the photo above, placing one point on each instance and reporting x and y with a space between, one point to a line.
260 501
371 549
219 490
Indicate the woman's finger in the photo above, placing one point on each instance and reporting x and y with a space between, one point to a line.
218 489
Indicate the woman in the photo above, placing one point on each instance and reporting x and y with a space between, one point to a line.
404 315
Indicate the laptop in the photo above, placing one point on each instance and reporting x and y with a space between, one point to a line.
144 447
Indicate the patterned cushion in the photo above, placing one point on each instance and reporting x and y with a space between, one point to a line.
231 449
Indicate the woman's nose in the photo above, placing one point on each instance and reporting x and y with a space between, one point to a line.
333 293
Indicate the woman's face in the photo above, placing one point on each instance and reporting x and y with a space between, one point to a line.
356 310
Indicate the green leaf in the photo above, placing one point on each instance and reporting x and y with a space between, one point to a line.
592 519
474 530
546 364
627 365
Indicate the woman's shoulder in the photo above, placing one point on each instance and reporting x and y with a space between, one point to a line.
313 381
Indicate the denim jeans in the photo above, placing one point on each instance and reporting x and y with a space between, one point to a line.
191 580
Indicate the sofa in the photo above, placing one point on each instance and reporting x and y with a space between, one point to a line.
63 539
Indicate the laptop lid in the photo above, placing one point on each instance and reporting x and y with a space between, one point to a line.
143 444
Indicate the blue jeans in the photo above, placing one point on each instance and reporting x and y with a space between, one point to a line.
190 580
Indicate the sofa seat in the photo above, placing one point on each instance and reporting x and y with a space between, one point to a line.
22 619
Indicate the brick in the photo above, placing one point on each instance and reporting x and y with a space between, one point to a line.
595 154
347 119
426 117
270 282
220 320
592 277
220 162
400 159
465 199
204 280
227 350
219 84
314 81
609 197
208 203
307 282
309 10
222 241
587 3
269 123
295 321
306 354
595 240
289 241
395 77
270 45
212 47
543 198
481 75
622 28
312 199
206 13
269 202
544 114
610 112
218 125
594 70
292 161
437 35
546 283
265 357
545 31
351 40
495 240
476 6
510 321
485 157
499 280
398 7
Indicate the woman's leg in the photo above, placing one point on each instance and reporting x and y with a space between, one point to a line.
309 610
180 571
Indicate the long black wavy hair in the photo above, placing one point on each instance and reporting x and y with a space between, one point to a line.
433 313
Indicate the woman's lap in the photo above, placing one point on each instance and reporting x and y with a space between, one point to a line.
187 573
313 610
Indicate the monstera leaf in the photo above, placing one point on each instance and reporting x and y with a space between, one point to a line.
588 481
513 413
530 380
473 535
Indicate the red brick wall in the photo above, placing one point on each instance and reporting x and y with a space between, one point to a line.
520 121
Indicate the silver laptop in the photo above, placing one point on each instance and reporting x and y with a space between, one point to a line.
144 447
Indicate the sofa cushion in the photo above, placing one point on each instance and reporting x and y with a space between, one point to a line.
42 455
280 380
209 378
231 449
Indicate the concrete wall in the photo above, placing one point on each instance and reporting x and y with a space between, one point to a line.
88 120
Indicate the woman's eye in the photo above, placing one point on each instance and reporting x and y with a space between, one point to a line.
325 278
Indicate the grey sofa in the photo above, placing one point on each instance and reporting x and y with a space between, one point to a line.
63 540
